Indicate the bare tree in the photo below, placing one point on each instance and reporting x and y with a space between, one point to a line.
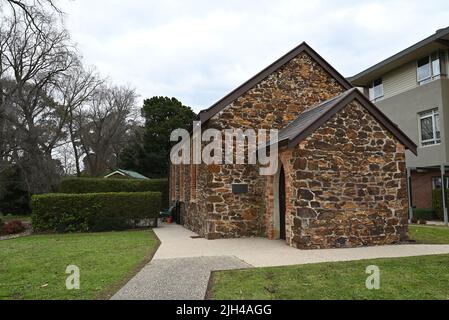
53 111
77 89
105 126
30 8
35 64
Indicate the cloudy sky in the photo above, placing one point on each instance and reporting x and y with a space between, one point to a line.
197 50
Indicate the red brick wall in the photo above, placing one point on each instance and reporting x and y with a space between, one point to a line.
422 189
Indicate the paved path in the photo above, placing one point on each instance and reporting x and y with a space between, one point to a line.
261 252
436 223
181 267
176 279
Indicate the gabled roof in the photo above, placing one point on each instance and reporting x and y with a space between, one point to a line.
205 115
128 173
312 119
438 40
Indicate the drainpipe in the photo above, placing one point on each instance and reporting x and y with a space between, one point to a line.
443 191
409 190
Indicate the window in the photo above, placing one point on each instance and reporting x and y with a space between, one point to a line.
436 66
430 128
376 91
429 68
436 182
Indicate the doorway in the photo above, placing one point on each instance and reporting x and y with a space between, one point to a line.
282 204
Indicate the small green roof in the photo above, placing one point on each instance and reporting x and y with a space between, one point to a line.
131 174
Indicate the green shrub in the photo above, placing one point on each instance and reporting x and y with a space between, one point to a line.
424 214
94 211
101 185
14 197
436 203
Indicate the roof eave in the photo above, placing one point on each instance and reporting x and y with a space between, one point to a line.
437 37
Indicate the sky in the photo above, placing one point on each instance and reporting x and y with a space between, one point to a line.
198 51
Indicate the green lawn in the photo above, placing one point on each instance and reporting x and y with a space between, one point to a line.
34 267
429 234
402 278
11 217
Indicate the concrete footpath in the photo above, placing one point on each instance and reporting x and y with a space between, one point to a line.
182 265
176 279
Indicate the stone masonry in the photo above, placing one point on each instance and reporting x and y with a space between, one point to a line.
349 185
273 103
345 183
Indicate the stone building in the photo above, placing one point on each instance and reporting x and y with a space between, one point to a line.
341 179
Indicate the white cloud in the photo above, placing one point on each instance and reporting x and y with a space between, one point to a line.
199 50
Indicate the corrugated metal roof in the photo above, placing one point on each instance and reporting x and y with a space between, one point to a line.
133 174
129 173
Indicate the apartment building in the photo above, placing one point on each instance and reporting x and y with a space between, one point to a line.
412 88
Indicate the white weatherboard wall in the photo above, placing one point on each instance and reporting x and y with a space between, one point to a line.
400 80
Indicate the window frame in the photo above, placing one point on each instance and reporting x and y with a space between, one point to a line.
371 89
432 113
430 63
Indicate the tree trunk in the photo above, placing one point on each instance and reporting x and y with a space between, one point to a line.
75 149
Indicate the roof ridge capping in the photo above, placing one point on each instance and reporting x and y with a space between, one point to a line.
206 114
312 119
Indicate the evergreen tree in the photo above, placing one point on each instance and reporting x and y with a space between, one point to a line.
150 151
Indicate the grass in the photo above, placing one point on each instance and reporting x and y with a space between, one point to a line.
421 278
10 217
429 234
402 278
34 267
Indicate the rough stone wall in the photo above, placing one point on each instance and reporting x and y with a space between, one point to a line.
186 172
196 209
281 97
234 215
273 103
349 185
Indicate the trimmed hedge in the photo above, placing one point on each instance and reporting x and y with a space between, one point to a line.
93 212
102 185
424 214
437 205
